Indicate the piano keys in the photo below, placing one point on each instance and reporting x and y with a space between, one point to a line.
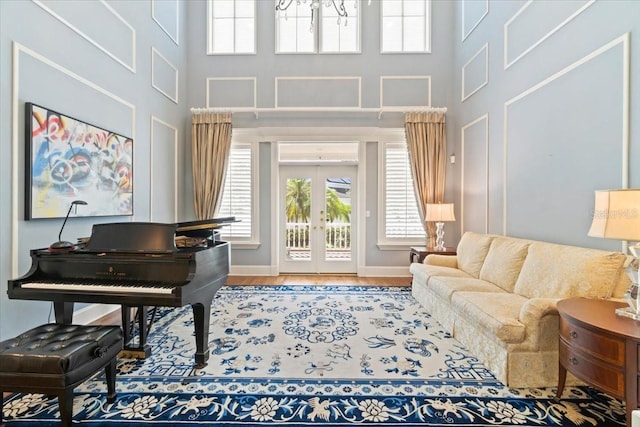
133 264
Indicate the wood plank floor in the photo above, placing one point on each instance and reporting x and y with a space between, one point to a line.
113 318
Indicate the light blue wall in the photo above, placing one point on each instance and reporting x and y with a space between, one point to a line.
92 61
549 128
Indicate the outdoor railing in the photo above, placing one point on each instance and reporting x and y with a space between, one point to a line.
337 235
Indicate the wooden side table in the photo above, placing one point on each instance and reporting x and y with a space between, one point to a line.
600 348
418 253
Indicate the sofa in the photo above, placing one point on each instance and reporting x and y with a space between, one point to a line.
497 296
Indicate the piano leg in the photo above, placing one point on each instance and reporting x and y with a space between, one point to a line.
130 350
63 312
201 319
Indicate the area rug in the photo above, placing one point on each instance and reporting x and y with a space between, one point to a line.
326 355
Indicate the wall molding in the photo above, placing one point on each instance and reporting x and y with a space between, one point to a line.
16 130
155 120
279 81
508 63
173 37
132 66
478 54
475 25
485 118
623 40
156 53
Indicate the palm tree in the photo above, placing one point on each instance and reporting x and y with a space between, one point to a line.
298 202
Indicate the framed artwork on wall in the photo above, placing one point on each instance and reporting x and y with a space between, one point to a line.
67 159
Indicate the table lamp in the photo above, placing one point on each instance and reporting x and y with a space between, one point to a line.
617 216
439 213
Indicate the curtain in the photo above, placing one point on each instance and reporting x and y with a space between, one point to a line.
427 145
211 144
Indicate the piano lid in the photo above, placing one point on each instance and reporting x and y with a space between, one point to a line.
148 237
202 228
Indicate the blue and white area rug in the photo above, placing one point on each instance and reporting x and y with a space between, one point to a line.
326 355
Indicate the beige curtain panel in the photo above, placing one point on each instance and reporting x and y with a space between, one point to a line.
211 143
427 144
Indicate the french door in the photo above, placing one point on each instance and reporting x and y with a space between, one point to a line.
317 208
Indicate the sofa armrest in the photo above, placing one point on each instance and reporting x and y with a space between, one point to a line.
536 308
441 260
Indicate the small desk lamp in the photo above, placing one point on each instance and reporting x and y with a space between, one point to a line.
439 213
62 244
617 216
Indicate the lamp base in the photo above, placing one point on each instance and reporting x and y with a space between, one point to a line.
440 236
627 312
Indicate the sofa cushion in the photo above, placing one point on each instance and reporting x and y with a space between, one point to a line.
444 287
422 272
504 262
471 252
560 271
495 312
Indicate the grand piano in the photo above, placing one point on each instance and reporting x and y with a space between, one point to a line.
136 265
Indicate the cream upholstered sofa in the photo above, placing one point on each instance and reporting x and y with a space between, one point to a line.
498 297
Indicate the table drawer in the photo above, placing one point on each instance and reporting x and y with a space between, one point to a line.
609 349
605 377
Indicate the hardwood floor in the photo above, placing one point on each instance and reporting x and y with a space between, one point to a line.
113 318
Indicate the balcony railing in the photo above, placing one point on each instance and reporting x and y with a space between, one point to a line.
337 239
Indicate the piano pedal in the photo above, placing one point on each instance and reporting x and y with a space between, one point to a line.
135 352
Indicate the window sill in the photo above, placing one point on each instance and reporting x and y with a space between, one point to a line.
244 245
404 246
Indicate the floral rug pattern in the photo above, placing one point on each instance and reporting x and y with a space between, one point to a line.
329 355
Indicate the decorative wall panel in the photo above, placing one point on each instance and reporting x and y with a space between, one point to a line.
534 23
405 91
313 92
475 174
163 188
475 73
100 25
164 76
544 140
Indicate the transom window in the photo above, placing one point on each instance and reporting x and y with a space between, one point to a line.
301 30
231 27
406 26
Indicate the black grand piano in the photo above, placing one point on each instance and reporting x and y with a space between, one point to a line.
136 265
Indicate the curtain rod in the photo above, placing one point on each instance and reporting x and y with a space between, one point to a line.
380 111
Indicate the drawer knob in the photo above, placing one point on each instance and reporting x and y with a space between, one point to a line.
573 361
573 334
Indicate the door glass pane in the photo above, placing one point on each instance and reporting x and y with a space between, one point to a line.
298 221
337 219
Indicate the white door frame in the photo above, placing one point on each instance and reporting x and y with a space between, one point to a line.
317 262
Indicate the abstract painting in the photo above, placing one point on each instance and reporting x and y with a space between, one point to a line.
68 159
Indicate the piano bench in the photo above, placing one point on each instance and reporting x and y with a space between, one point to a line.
53 359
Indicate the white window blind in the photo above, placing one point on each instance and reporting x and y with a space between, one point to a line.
237 197
231 27
406 26
402 220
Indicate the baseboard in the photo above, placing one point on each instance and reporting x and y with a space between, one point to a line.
384 272
268 270
251 270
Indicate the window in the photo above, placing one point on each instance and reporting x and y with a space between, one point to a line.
400 219
238 195
231 27
406 26
298 30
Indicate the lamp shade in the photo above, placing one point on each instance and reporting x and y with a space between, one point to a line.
440 212
616 215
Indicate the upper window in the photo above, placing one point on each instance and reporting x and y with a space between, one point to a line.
406 26
231 27
399 211
301 28
238 196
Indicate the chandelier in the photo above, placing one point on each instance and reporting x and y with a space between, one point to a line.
338 5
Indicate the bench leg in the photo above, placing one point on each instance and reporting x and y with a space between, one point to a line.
65 405
110 374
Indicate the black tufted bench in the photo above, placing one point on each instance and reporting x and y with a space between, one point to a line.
55 358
